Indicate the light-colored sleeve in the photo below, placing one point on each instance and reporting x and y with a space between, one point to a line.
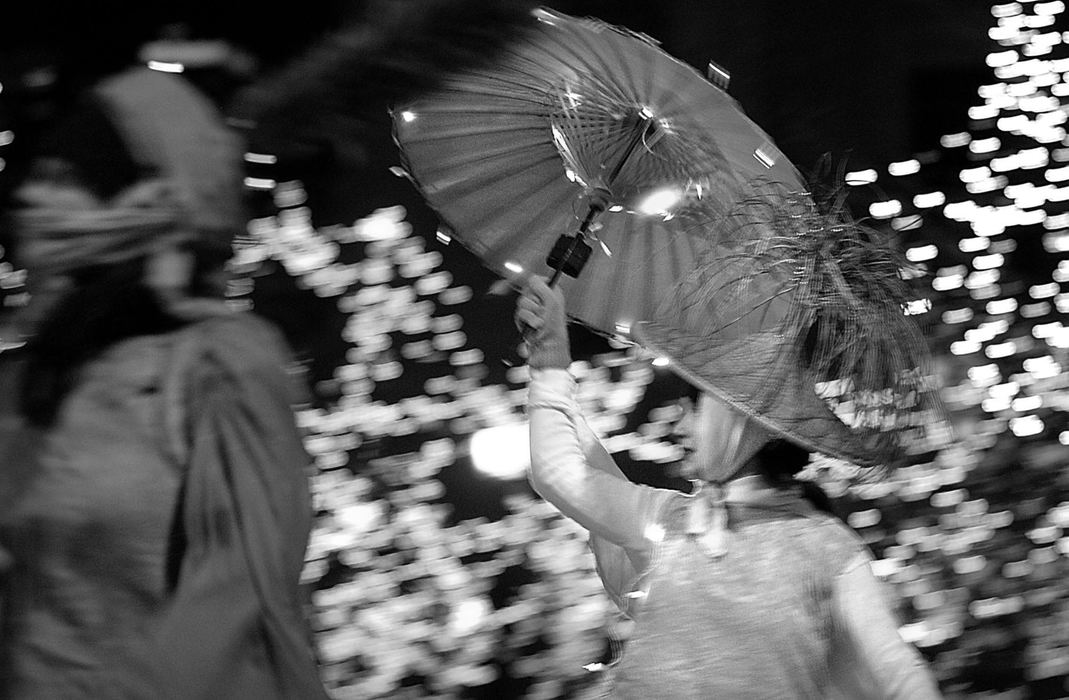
869 657
571 469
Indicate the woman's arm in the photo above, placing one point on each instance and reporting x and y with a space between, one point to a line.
869 657
244 520
569 466
572 470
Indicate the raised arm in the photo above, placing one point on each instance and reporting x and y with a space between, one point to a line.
569 466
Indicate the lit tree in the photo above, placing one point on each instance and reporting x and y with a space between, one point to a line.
974 539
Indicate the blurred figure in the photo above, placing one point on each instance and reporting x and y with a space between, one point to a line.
153 498
747 587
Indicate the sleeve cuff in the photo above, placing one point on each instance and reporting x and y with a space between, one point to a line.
552 387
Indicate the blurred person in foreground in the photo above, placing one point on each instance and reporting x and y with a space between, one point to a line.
745 587
154 506
154 497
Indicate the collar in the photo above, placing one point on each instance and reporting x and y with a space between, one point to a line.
707 510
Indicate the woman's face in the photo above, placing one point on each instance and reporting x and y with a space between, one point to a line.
716 439
706 424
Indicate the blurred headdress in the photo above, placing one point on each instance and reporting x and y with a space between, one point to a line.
190 190
798 318
397 50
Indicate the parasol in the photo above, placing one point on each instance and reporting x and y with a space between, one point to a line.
586 150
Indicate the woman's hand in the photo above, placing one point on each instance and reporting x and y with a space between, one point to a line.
540 317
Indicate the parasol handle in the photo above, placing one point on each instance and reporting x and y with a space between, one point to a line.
571 252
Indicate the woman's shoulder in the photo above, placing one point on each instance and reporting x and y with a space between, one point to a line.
836 543
226 360
233 351
236 329
235 343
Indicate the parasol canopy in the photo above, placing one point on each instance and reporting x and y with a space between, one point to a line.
587 135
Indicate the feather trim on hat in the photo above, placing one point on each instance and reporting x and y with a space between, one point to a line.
798 316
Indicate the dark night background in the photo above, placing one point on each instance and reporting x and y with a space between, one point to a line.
864 83
869 81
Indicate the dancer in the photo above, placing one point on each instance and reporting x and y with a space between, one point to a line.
743 588
154 498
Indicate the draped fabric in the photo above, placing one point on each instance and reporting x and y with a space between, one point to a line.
62 228
158 531
246 518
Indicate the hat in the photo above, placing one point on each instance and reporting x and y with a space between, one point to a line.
797 317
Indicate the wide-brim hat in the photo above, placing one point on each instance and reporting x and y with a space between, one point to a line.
797 317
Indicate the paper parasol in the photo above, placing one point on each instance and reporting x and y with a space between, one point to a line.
593 134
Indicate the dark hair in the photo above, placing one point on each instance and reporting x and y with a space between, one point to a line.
88 140
780 461
107 304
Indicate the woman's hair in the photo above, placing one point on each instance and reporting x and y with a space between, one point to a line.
780 461
104 306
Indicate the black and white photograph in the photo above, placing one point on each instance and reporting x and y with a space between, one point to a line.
501 350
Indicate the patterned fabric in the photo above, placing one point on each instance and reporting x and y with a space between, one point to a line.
786 609
754 623
158 528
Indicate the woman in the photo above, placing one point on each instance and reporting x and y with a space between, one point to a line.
154 503
742 588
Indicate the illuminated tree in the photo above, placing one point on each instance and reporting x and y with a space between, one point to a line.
973 539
